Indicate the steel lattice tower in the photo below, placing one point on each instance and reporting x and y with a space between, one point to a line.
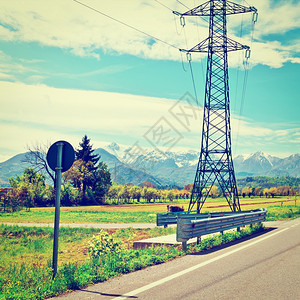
215 164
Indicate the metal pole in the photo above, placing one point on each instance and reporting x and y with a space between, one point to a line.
233 202
57 206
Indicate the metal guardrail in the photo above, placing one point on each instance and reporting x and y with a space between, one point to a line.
188 228
171 218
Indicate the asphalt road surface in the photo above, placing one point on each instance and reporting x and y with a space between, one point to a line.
265 266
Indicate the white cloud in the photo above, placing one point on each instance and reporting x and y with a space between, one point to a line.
31 113
83 109
69 25
38 113
277 17
11 69
271 54
6 76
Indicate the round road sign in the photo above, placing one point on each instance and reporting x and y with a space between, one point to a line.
68 156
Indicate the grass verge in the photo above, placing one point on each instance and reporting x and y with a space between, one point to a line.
289 212
30 281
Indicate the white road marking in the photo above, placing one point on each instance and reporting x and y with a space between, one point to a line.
183 272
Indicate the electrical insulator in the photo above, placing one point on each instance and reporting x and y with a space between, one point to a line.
189 56
254 17
247 53
182 21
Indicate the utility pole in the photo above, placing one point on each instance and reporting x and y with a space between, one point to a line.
215 166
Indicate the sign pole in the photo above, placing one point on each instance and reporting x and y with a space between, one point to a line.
60 158
58 171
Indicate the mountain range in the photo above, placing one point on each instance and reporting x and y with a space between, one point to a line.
168 169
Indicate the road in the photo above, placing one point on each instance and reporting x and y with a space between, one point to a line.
265 266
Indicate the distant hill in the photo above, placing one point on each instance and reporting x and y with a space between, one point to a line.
175 169
260 163
267 182
11 168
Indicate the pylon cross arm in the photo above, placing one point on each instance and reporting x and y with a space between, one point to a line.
218 46
206 10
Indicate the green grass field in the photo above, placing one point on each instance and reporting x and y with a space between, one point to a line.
283 212
26 252
26 255
130 213
26 265
75 216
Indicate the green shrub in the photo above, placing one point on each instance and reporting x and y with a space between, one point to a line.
102 244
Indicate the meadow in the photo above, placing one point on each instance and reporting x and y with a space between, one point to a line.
88 255
85 257
132 213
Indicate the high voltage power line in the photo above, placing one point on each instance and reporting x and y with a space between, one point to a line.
158 39
125 24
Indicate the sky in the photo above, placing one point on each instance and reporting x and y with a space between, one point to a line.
112 70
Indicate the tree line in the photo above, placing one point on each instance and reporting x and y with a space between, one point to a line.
129 193
30 190
85 183
251 191
285 190
88 182
268 182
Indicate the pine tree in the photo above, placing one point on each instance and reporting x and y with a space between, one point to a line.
85 152
88 175
88 160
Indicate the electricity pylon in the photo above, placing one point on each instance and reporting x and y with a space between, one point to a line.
215 164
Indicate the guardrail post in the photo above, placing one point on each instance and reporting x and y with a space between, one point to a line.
238 229
198 240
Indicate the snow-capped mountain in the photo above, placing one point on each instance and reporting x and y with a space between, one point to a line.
260 163
135 164
119 151
136 154
255 163
178 168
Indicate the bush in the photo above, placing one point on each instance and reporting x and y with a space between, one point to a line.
68 195
102 244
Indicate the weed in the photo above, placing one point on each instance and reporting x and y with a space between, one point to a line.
102 244
283 212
